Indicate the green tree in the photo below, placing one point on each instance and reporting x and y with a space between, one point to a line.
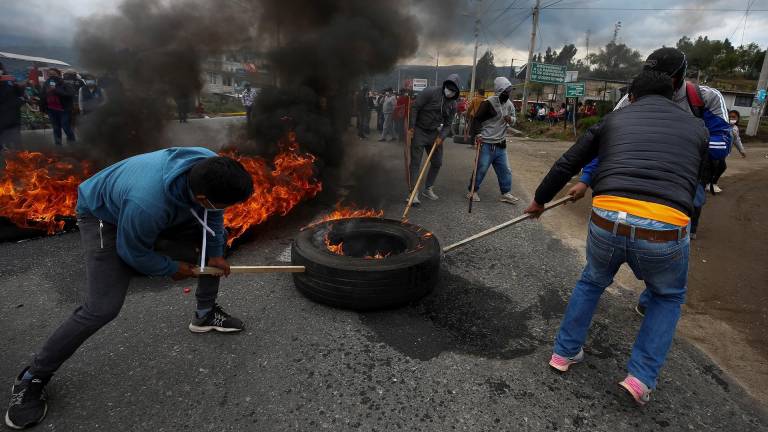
566 55
616 61
486 71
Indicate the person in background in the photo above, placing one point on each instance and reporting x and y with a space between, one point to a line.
91 96
387 109
561 113
719 167
641 211
431 118
541 113
142 215
489 129
551 116
379 106
57 100
184 105
401 109
247 98
472 107
363 113
11 101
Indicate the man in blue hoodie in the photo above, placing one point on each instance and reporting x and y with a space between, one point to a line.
127 214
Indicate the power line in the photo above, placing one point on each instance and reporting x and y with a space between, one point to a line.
609 8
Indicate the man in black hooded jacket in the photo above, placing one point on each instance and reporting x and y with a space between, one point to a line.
431 118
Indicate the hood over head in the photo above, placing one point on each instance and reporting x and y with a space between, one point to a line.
454 80
500 84
180 161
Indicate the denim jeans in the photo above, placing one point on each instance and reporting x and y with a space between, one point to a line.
664 268
61 120
493 155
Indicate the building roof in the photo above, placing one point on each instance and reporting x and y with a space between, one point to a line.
32 59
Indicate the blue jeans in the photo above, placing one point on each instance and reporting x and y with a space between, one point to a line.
664 268
493 155
61 120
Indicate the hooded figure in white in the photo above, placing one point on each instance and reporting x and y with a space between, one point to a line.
489 127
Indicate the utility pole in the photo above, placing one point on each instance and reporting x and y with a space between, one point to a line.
437 66
512 69
589 33
474 57
399 70
524 106
757 104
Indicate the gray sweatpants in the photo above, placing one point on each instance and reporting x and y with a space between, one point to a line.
107 279
422 143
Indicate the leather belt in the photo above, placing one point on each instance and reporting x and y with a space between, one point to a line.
624 230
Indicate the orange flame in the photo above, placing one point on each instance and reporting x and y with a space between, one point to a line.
350 212
276 191
36 190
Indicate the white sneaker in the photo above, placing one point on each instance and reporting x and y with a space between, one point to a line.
475 197
509 198
415 202
429 193
716 188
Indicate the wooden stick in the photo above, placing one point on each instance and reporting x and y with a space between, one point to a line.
418 180
213 271
407 148
507 224
474 175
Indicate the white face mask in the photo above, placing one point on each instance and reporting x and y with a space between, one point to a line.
734 121
448 93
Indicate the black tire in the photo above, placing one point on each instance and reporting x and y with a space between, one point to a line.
357 283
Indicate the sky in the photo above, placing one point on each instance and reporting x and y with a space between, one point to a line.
505 25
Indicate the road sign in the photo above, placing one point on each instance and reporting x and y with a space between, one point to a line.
547 73
578 89
571 76
419 84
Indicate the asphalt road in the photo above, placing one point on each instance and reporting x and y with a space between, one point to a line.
471 356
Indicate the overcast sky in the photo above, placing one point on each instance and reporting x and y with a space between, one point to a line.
505 24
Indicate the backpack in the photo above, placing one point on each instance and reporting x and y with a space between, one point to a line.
719 148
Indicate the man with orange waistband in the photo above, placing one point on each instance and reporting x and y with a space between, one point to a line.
652 153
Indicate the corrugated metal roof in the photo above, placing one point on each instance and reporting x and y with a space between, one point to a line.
32 59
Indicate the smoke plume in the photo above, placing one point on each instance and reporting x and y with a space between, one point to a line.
150 54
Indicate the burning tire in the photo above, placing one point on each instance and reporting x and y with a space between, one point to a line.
366 263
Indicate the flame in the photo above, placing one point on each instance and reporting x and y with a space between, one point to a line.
337 249
37 190
348 212
275 191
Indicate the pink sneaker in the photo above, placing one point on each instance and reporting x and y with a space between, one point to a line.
562 364
636 389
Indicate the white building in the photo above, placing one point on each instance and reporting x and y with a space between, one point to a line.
226 73
739 101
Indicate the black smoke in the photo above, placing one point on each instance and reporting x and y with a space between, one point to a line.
149 54
152 52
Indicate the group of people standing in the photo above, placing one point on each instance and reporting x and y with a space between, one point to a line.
391 110
61 96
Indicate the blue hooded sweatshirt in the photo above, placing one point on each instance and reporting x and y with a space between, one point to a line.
144 195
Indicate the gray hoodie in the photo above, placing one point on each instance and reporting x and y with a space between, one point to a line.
432 109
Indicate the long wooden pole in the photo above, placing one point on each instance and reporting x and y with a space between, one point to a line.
213 271
507 224
418 180
474 175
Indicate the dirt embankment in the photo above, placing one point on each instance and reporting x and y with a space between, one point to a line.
727 308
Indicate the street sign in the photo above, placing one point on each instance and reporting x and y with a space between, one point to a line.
419 84
578 89
571 76
547 73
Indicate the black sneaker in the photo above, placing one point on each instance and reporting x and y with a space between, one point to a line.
640 309
217 320
28 402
